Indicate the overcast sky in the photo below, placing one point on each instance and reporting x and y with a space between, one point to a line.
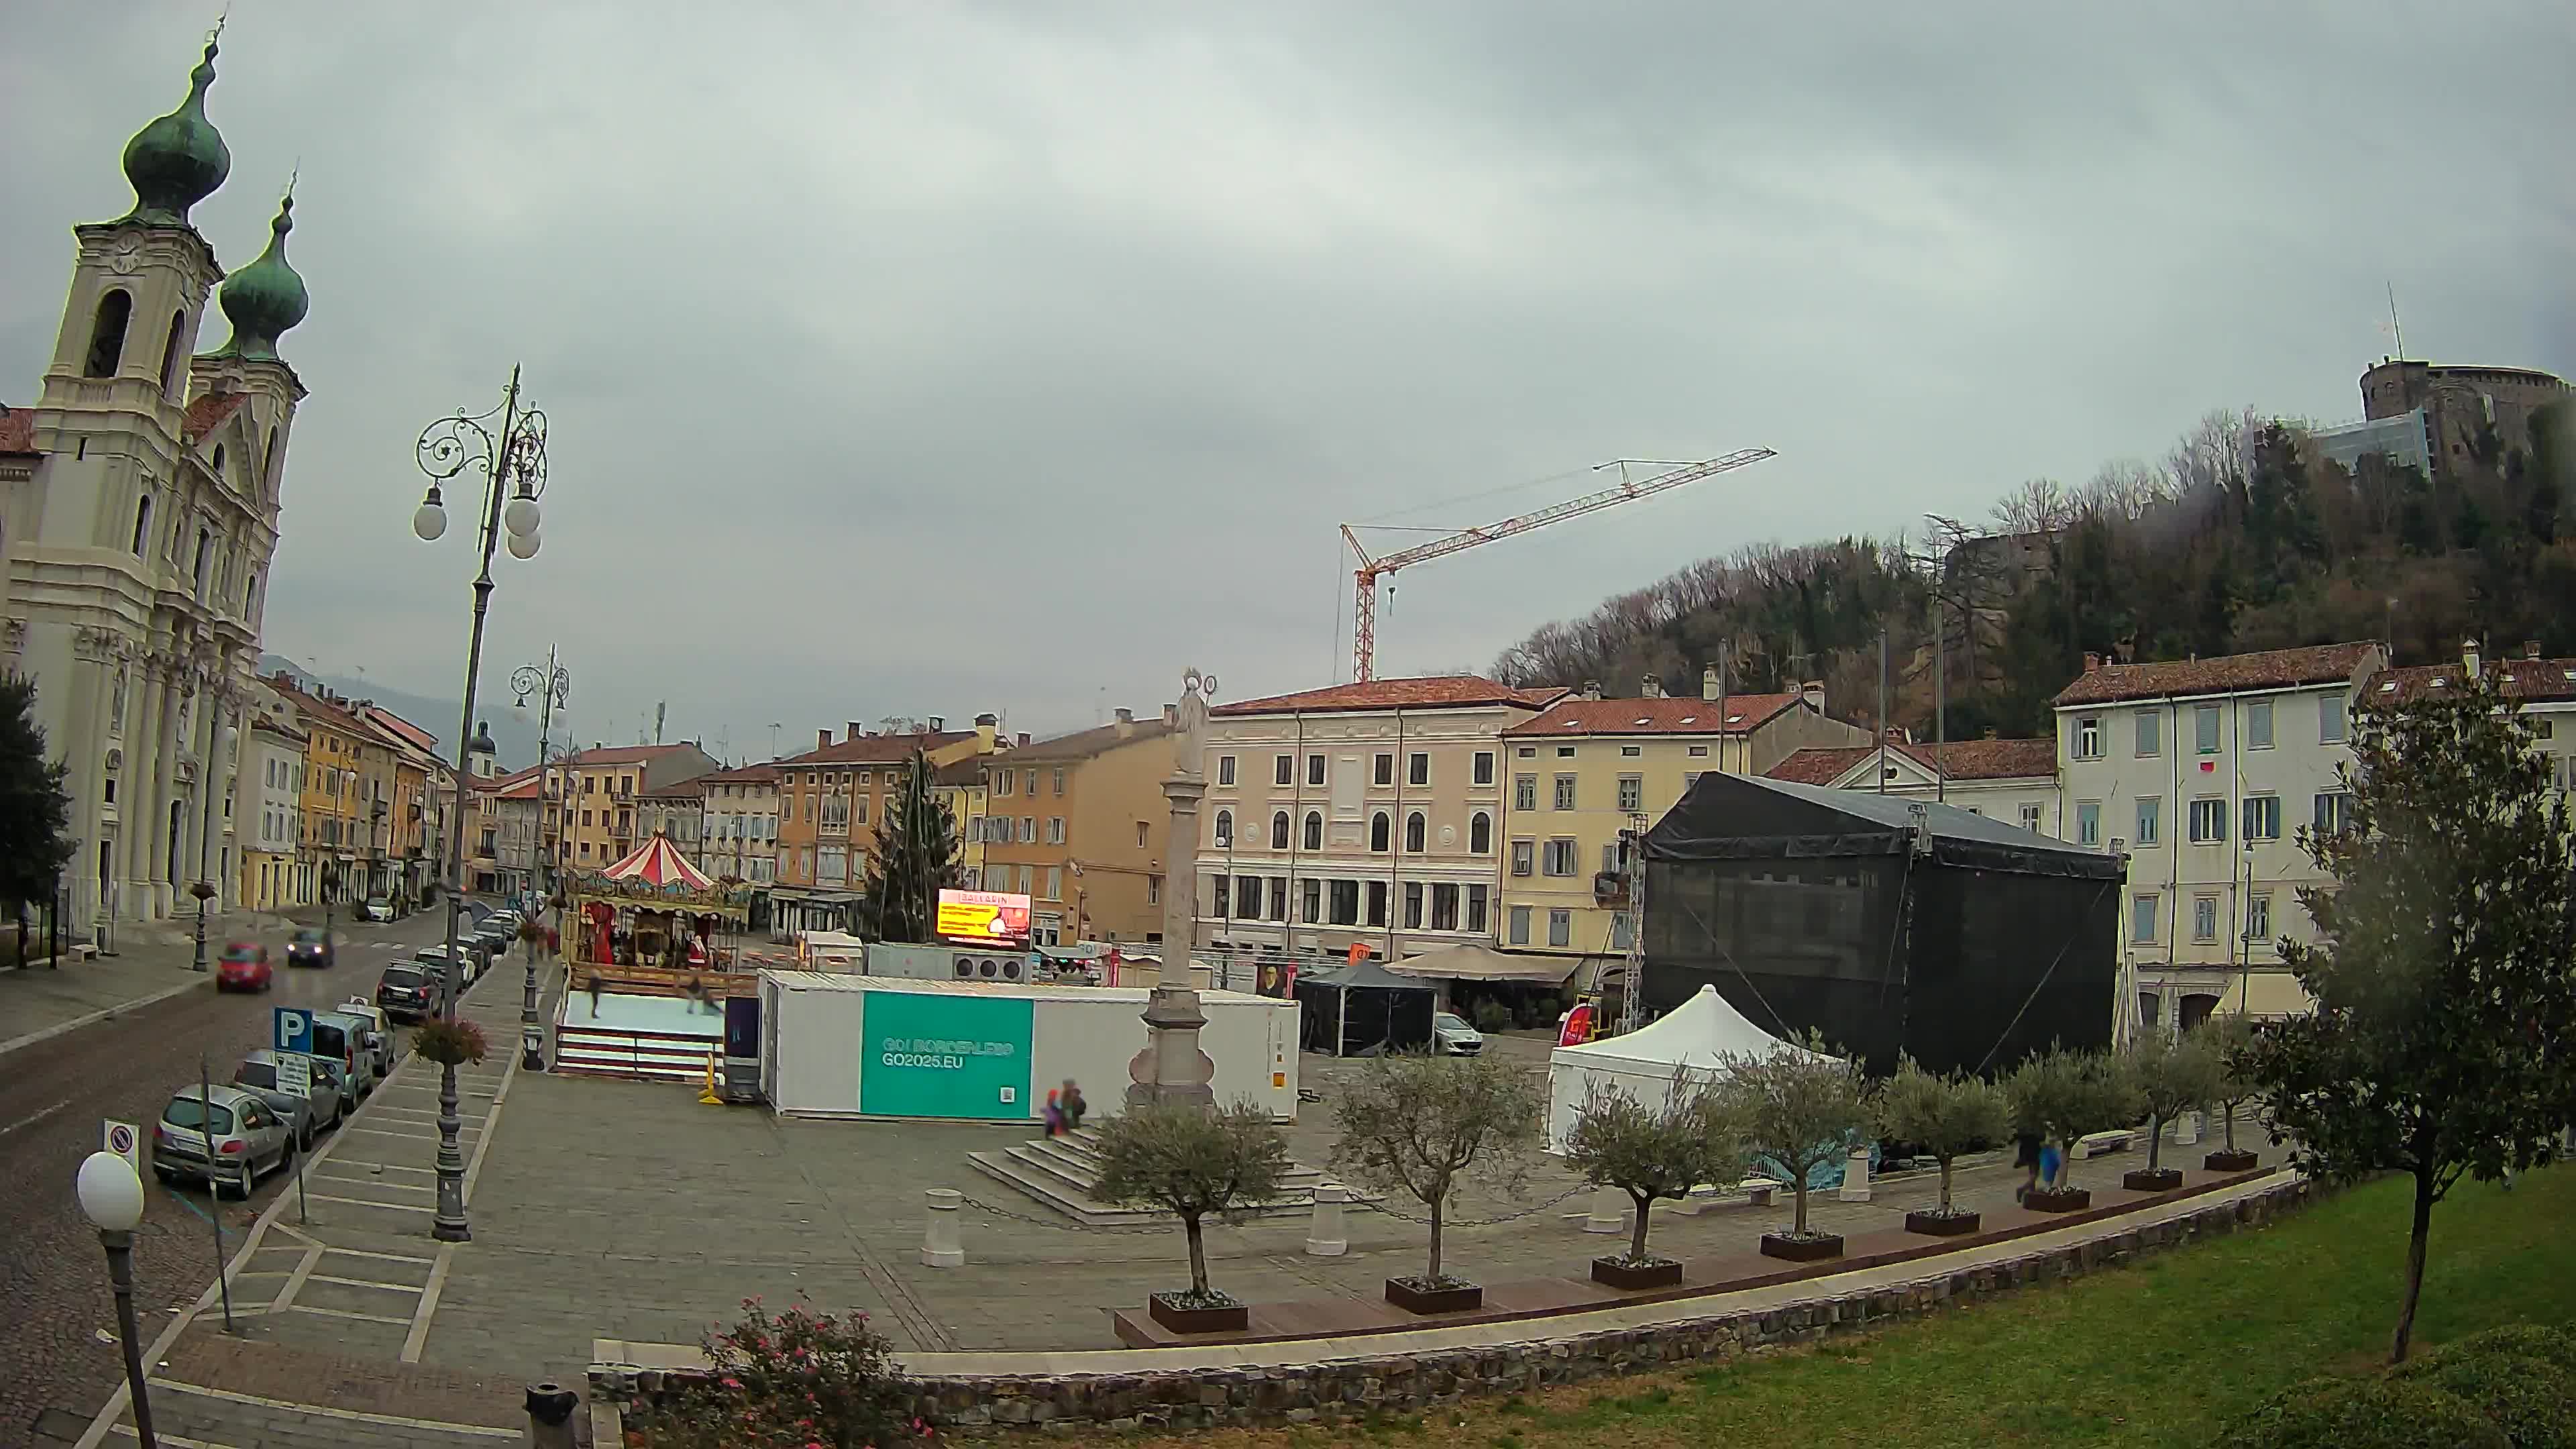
911 359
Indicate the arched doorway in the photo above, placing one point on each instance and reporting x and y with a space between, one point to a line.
2195 1009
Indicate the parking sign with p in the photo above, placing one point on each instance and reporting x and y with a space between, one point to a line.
292 1029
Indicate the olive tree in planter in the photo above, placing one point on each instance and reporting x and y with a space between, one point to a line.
2231 1042
1426 1125
1192 1163
1800 1107
2063 1096
2170 1077
1945 1117
1649 1153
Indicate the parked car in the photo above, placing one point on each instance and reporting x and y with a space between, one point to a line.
343 1039
307 1115
310 947
1455 1036
247 1136
380 1033
376 908
244 967
469 962
407 991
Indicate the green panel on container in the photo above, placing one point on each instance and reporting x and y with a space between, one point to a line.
942 1054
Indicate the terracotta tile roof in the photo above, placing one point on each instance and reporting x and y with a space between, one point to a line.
402 729
1439 691
320 708
694 787
2226 674
761 774
270 726
2527 679
1964 759
1083 744
208 412
622 755
17 430
968 771
876 749
1666 716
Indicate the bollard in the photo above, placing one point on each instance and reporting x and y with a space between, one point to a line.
1856 1177
1609 1212
2186 1129
1327 1236
550 1407
940 1246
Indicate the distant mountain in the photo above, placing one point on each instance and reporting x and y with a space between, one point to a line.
514 732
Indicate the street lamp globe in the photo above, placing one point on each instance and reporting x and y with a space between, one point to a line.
520 515
111 1195
523 546
429 520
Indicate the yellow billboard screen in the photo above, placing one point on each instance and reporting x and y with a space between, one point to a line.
983 917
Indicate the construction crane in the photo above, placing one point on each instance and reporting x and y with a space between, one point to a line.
1364 611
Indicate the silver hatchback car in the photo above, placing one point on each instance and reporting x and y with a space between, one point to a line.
310 1116
248 1137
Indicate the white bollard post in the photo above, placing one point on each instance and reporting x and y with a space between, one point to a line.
1856 1177
1327 1236
940 1245
2186 1129
1609 1212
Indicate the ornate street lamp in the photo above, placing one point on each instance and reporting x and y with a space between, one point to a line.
111 1197
553 686
513 464
204 893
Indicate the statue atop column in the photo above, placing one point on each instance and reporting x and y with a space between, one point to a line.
1172 1068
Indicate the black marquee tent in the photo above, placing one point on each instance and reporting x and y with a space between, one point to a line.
1890 925
1354 1009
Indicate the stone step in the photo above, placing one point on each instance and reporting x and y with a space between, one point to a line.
1081 1166
1049 1183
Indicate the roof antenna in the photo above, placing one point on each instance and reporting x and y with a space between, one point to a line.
2395 329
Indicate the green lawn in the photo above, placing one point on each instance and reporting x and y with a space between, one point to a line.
2159 1353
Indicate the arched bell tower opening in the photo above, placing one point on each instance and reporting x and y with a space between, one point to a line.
107 333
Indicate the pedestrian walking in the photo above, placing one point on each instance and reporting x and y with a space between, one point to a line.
2052 1163
1054 1115
2027 1155
1074 1106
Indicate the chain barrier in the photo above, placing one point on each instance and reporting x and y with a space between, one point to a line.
1447 1223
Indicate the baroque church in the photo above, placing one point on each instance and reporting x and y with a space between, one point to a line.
138 516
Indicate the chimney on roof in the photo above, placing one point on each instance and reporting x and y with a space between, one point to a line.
2092 662
1708 683
1651 686
856 731
1592 689
2469 659
939 724
988 730
822 739
1813 692
2530 648
1023 739
1126 722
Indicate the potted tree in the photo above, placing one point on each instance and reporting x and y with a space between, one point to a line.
2062 1096
1800 1107
2171 1077
1425 1126
1190 1164
2231 1041
1944 1116
1652 1152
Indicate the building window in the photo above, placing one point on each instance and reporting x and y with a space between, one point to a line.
1153 890
2262 817
2334 812
1414 830
1565 792
1565 752
1417 769
1383 769
1279 830
2151 819
1143 838
1484 767
2208 822
1346 903
2258 918
1279 898
1560 858
1314 830
1380 829
2151 734
1224 827
1314 902
2258 725
1284 770
1632 793
1621 931
1029 829
1444 906
1314 769
2204 918
1413 905
1055 830
2030 817
1377 903
1058 780
2088 822
1480 833
1520 925
142 523
1560 928
1004 782
1027 886
1225 769
1526 752
2088 738
1476 908
2204 729
1524 853
2330 720
107 333
2142 920
1525 792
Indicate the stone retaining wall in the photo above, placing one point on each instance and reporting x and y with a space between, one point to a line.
1406 1383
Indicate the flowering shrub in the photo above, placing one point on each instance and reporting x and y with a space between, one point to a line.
450 1043
792 1380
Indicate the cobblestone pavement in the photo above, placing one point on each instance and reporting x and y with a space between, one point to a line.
54 1095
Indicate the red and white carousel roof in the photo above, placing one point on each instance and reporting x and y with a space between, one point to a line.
659 864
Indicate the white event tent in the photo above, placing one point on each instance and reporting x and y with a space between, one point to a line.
1696 1035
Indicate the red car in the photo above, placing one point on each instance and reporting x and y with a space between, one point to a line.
244 967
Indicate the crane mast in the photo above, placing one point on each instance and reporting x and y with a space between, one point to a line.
1370 570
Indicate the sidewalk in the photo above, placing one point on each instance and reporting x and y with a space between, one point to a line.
40 1002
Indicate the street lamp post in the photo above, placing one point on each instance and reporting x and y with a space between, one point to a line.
201 891
512 459
553 686
111 1197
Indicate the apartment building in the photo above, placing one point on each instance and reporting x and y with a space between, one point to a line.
2545 690
269 816
503 839
1367 814
2012 780
599 787
421 792
1079 824
1585 769
963 789
2202 770
341 757
742 825
676 812
831 800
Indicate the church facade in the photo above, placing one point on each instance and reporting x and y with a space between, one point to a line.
138 517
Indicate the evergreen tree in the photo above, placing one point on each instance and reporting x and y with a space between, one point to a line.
2441 1043
914 857
35 813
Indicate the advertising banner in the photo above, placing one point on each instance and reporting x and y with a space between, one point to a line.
983 918
1578 1026
937 1054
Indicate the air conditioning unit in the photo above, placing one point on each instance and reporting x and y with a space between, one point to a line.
982 967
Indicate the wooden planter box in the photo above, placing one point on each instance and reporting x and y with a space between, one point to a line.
1801 1250
1456 1299
2064 1200
2152 1179
1941 1225
1615 1273
1234 1318
2226 1161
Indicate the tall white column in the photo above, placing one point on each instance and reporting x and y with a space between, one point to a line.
1172 1068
